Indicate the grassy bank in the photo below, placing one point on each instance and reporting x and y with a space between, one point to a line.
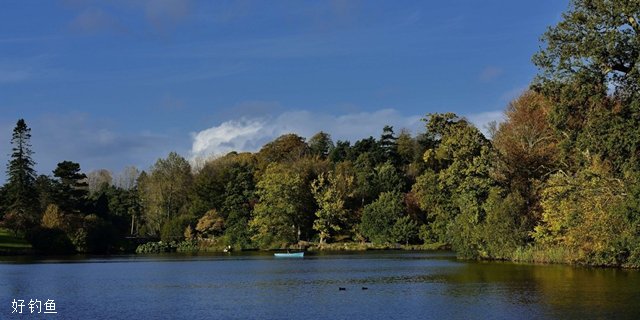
11 244
363 246
564 255
219 246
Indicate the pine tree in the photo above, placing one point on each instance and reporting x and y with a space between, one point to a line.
21 192
389 145
72 187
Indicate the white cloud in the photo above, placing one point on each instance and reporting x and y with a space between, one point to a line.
232 135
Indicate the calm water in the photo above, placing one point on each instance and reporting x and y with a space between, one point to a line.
401 285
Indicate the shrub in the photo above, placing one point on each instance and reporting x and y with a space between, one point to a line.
50 241
173 230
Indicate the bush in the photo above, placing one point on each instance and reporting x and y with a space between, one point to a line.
173 230
187 246
50 241
156 247
95 236
165 247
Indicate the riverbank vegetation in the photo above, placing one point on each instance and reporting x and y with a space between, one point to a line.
557 181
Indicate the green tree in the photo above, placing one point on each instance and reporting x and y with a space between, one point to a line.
321 145
209 184
389 145
365 178
371 148
379 217
165 191
596 39
22 198
279 214
173 228
238 199
404 229
341 152
46 188
286 148
330 192
589 70
72 188
406 147
456 184
238 204
505 227
123 208
388 179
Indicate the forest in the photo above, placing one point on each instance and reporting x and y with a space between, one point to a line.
558 181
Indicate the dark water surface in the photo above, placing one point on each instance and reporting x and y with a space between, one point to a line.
401 285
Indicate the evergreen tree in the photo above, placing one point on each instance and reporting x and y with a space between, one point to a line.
341 152
388 144
72 187
21 192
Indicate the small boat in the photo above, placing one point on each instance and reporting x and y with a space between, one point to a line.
289 254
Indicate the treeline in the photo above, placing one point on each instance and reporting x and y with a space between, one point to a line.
290 191
58 213
557 181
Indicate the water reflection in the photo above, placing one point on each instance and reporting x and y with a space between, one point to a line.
564 291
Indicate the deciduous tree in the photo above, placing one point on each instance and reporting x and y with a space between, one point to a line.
165 191
379 217
330 191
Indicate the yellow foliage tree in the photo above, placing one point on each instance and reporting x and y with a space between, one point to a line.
53 218
579 213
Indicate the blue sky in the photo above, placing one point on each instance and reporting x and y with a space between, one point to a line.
116 83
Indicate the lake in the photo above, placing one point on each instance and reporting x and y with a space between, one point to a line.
400 285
